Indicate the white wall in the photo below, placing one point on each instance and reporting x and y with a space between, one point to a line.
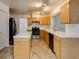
4 8
17 17
23 24
4 25
7 2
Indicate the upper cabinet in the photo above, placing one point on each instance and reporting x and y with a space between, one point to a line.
31 19
45 20
70 12
65 13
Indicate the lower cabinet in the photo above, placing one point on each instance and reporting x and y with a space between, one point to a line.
70 48
44 36
57 48
22 48
66 48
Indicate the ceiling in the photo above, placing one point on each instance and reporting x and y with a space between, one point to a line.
24 7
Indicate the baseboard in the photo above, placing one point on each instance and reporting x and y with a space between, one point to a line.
3 49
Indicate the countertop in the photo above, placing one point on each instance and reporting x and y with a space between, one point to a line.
26 35
61 34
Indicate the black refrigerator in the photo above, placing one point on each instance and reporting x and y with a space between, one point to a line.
12 30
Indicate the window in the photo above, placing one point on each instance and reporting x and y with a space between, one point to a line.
57 23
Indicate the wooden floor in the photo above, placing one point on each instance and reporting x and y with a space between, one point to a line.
39 50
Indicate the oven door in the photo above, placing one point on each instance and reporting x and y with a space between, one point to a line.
35 31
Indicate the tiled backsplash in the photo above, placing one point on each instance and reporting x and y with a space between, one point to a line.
73 28
44 26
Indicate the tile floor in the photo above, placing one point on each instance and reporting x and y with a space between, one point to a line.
39 51
7 53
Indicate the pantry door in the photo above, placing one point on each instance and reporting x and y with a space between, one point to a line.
3 30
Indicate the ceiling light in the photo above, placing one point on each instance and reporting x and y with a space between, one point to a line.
46 8
37 12
37 5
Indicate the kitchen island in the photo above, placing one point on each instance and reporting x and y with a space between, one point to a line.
22 45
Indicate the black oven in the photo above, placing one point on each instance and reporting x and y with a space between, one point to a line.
35 29
35 32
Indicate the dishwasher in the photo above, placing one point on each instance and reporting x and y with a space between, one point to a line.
51 42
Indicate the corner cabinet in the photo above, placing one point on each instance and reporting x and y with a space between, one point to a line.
70 12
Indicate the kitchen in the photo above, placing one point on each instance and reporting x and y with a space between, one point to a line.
58 30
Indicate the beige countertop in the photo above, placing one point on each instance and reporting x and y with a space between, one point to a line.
62 34
26 35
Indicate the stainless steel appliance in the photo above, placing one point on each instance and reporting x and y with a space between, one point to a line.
35 30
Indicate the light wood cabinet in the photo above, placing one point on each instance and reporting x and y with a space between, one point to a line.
70 48
65 13
66 48
41 20
45 20
22 48
35 19
57 47
29 21
44 36
70 12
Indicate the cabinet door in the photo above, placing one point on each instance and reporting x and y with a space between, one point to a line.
22 48
65 14
41 20
46 37
34 19
29 21
57 47
74 10
42 34
45 20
